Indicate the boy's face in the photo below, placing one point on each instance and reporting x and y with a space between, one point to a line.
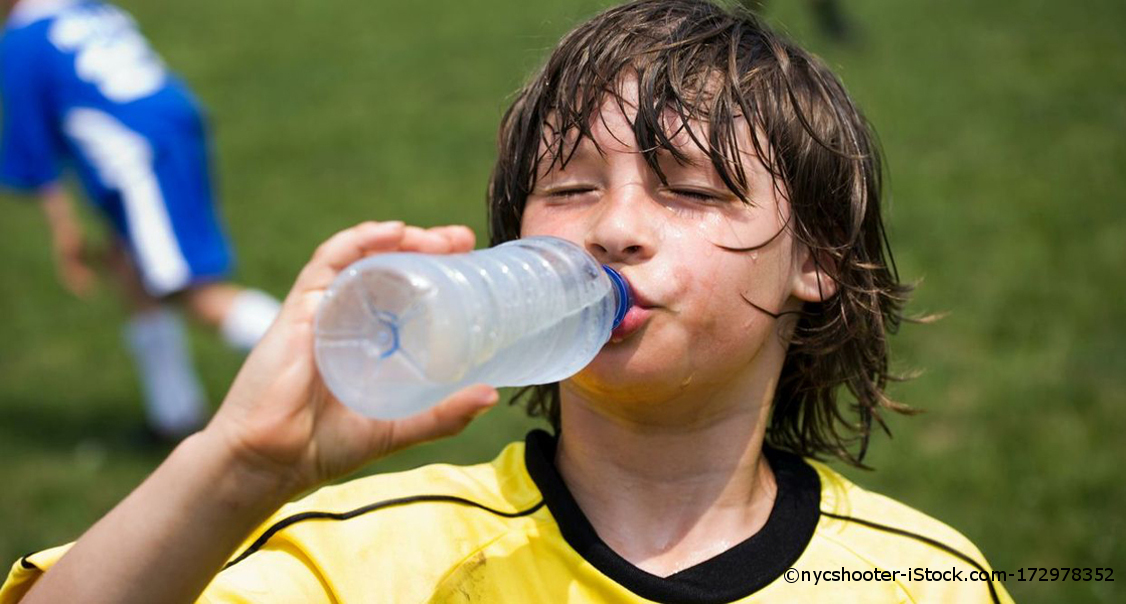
691 332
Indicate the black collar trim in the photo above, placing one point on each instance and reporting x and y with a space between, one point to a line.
736 573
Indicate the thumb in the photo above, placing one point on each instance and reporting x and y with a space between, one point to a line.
446 418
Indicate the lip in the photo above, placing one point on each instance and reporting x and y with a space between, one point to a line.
636 316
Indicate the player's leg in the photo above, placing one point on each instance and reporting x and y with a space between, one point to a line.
174 397
241 315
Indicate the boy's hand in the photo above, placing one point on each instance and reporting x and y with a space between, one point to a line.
281 420
67 241
71 263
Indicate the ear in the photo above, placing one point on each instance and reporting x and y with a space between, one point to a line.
811 281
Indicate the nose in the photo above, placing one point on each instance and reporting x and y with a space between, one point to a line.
623 229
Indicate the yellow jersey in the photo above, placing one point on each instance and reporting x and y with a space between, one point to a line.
510 531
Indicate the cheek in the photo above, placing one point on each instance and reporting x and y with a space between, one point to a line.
719 311
540 221
708 298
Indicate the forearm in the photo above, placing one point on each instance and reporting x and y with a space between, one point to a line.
278 432
57 208
166 540
70 252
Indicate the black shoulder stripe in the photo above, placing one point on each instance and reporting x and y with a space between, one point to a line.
379 505
931 542
26 563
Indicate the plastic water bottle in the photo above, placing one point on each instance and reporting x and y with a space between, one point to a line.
397 333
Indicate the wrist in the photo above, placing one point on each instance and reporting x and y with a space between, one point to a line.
240 481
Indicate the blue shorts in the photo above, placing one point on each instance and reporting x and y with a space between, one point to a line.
163 208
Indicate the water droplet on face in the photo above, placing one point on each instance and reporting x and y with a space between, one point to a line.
687 380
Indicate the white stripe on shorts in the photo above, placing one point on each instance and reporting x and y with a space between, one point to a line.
123 159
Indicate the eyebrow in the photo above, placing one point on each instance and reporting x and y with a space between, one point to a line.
688 145
695 156
571 152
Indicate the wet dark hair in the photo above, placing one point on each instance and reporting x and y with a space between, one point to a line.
702 63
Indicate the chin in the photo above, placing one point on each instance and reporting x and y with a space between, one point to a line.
618 371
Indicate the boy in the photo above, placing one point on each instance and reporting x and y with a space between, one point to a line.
80 85
727 176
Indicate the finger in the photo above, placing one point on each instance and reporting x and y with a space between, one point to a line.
446 418
425 241
346 247
362 240
462 239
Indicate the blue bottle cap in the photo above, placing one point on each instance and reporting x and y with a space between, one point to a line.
621 288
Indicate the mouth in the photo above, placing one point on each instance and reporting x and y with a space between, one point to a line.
635 319
637 315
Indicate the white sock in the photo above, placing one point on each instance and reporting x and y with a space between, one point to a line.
174 396
251 314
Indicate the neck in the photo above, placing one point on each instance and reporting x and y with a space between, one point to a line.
685 490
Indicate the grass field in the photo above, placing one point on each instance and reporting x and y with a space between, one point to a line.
1004 125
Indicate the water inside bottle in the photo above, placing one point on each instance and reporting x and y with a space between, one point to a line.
405 332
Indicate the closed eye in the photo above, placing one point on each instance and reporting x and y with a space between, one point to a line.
568 192
697 195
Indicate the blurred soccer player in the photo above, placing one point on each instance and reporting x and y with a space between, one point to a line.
82 88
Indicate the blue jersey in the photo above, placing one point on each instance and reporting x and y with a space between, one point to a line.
82 87
60 64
